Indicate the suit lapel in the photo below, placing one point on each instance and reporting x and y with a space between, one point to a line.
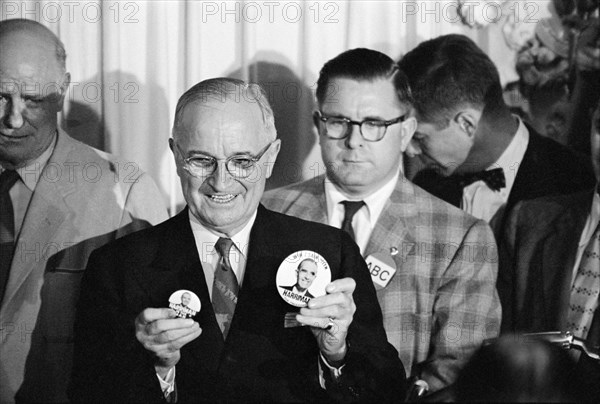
558 259
46 213
177 267
394 226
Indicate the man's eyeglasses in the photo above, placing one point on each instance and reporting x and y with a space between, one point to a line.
239 165
372 130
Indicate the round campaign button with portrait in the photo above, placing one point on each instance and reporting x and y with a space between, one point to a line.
302 276
185 303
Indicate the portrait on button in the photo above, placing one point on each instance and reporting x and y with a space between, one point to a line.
302 276
185 303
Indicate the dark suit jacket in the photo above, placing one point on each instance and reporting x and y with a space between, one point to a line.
291 288
547 168
260 360
537 256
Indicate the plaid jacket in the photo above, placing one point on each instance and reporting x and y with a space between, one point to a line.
442 302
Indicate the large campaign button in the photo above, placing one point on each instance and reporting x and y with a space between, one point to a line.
302 276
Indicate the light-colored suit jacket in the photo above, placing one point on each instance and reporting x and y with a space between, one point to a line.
83 199
442 302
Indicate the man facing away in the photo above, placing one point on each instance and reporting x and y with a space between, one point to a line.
227 249
434 266
59 200
479 156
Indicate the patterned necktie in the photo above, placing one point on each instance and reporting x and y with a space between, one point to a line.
225 287
350 209
586 288
7 227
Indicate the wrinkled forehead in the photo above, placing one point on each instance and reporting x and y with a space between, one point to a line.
234 119
308 266
28 57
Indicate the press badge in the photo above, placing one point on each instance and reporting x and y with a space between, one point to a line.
185 303
302 276
382 269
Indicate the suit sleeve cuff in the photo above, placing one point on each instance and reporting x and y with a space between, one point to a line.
324 366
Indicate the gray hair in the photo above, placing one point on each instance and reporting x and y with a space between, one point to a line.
222 89
31 26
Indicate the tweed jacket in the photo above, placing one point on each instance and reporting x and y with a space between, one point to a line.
84 198
442 301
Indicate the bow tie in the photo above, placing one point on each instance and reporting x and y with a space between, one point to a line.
493 178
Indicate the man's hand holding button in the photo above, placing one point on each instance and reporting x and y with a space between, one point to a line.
161 332
330 317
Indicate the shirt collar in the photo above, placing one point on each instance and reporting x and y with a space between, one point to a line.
241 239
511 158
32 172
375 202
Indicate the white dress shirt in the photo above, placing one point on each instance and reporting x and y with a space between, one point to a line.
366 217
209 257
481 201
29 176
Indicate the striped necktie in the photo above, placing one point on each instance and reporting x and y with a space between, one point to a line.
225 287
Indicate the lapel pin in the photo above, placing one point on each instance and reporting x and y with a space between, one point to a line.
382 268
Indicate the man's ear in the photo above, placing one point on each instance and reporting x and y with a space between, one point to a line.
64 87
273 153
468 120
413 149
316 119
171 144
409 127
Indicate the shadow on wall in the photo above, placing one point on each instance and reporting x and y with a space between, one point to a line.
292 102
116 111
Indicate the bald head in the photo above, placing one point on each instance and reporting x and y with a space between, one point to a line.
33 85
28 33
220 90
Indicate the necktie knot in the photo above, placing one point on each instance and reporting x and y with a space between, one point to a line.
350 209
8 178
493 178
223 246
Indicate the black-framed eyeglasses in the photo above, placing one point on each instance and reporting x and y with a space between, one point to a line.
239 165
372 130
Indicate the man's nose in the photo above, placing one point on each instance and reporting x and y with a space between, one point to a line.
354 138
12 115
221 177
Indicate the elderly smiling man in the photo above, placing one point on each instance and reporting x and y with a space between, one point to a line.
129 347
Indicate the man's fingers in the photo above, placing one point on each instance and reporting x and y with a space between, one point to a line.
163 325
345 285
333 311
175 334
168 342
152 314
317 322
